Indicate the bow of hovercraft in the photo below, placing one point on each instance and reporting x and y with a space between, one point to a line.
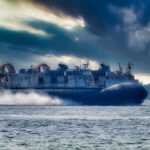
117 95
123 94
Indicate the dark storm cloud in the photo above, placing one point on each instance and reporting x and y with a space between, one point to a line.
102 20
62 42
57 41
99 19
21 39
94 12
110 33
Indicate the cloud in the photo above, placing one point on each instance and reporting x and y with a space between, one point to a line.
106 31
95 13
121 26
58 41
12 16
71 61
138 36
144 78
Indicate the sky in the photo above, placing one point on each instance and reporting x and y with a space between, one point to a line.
76 31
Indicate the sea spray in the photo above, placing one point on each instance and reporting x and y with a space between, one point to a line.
31 98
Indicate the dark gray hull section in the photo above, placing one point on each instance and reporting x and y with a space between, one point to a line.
121 94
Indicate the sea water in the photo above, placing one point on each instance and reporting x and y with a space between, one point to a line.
75 127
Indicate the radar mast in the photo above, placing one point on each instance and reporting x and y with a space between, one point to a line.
86 65
129 68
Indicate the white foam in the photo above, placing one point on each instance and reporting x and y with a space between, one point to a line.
32 98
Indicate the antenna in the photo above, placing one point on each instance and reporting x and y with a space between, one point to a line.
86 65
129 68
120 68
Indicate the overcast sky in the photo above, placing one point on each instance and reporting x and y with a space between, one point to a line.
74 31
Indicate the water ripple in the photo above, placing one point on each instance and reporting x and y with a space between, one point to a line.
74 127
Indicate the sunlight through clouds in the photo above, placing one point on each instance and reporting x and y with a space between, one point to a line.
72 61
14 17
144 78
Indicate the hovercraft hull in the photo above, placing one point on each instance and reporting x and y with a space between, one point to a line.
120 94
